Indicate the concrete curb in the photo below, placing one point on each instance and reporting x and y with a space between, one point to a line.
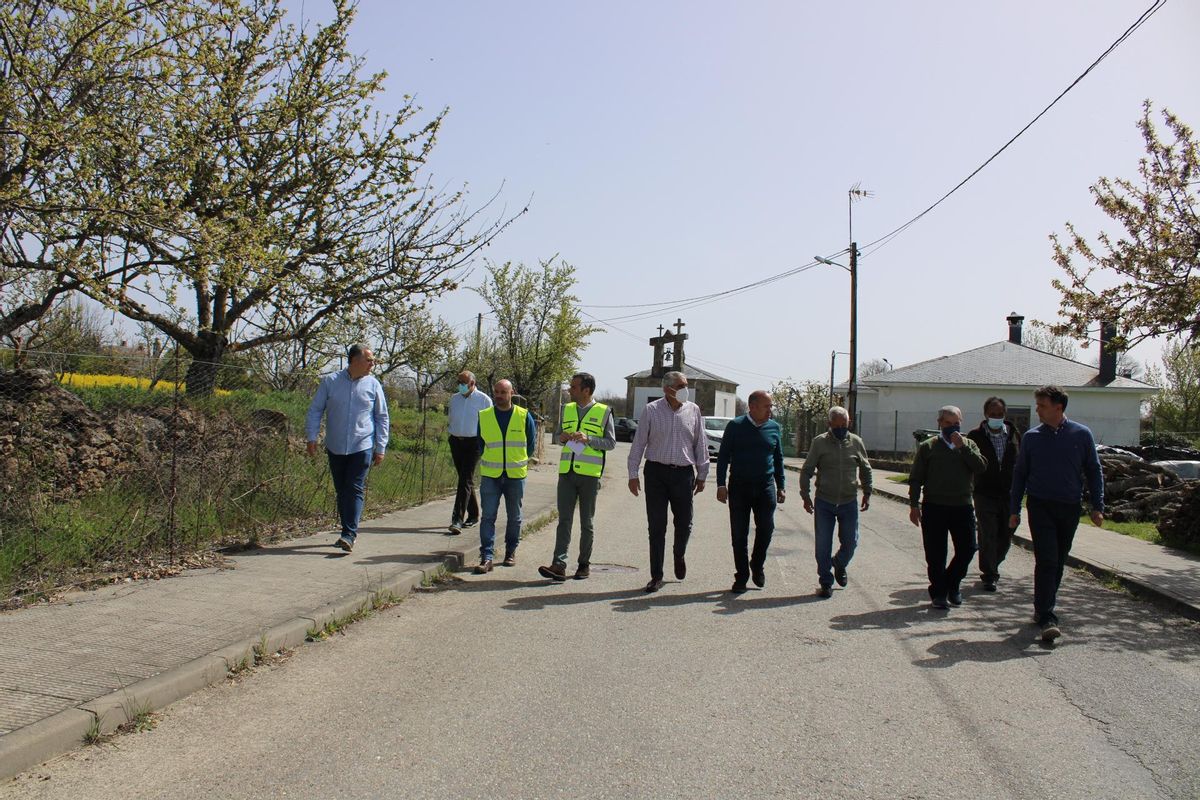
1140 588
40 741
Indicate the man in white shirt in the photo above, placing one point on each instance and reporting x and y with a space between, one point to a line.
465 405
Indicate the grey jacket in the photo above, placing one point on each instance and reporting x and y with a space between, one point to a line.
837 465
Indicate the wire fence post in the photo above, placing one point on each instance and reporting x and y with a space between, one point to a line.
173 487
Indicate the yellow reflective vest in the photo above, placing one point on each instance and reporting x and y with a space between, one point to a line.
590 461
504 453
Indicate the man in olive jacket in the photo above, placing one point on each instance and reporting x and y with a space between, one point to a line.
945 466
998 441
838 457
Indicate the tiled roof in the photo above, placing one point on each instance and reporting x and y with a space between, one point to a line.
692 373
1001 364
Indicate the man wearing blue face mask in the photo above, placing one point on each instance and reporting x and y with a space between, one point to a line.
465 405
839 459
945 467
998 442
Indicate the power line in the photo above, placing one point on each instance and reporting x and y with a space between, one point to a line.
1154 8
682 304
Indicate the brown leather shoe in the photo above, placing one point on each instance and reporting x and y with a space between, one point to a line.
510 559
484 567
582 572
555 572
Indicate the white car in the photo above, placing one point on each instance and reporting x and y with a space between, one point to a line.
714 429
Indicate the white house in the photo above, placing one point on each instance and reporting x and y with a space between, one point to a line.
892 405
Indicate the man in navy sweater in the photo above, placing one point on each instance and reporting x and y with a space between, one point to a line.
752 447
1054 459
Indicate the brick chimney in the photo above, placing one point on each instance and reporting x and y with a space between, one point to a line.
1108 356
1014 327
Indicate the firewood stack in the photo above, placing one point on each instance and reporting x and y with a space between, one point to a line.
1137 491
1182 528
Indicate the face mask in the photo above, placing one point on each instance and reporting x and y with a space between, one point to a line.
463 388
682 395
839 433
995 424
949 431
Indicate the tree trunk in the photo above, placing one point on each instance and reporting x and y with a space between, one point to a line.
201 378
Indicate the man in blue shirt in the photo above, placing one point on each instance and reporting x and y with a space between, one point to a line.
507 439
752 446
356 434
1051 466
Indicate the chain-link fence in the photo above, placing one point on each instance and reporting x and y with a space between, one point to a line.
109 461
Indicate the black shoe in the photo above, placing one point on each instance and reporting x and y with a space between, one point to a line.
825 591
939 603
1050 631
654 585
738 587
471 523
954 598
989 586
759 576
680 568
839 575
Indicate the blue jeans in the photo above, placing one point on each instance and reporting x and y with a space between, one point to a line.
490 491
349 474
825 514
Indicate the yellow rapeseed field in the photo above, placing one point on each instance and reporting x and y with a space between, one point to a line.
88 381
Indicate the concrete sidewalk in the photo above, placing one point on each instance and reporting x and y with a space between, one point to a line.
97 658
1164 573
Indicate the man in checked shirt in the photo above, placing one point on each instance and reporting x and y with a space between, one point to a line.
671 435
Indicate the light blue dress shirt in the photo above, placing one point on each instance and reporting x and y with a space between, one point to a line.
464 412
355 411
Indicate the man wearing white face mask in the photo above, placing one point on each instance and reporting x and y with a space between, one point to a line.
998 442
671 435
465 405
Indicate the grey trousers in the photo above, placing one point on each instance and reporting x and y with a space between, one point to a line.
582 489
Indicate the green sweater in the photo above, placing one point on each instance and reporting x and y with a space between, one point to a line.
947 475
837 463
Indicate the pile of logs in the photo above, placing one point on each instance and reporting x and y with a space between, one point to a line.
1182 528
1136 491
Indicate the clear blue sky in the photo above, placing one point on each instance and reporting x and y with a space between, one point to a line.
675 149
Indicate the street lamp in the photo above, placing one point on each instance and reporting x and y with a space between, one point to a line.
852 394
855 192
833 360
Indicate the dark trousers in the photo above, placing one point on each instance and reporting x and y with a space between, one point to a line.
936 522
465 452
1052 527
582 489
995 537
349 473
744 500
668 486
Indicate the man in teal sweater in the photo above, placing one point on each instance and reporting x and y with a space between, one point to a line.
945 466
752 449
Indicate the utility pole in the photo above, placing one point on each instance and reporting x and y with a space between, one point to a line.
478 333
853 398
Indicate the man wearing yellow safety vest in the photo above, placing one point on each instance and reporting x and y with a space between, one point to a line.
587 432
507 438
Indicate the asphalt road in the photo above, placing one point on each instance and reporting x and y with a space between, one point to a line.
507 686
